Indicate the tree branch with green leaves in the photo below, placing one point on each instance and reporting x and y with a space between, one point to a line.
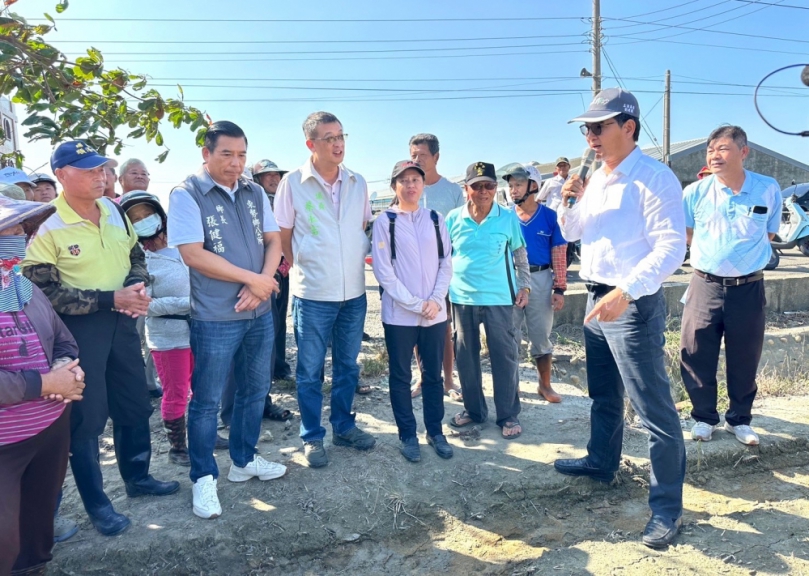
81 99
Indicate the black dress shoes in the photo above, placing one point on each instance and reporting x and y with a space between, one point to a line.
582 467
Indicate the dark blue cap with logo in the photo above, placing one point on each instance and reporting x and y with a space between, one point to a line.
609 103
78 154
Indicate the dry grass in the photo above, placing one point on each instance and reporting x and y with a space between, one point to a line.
374 364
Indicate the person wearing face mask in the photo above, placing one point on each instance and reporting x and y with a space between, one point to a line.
546 259
167 332
39 377
413 267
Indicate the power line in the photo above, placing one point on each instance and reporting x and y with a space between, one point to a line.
689 14
704 28
740 34
185 60
218 21
643 123
342 41
664 9
774 4
294 52
701 45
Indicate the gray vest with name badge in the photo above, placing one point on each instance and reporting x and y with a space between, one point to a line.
233 230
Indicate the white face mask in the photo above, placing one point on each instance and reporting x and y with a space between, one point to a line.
149 226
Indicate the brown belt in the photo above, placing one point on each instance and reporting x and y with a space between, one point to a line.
731 281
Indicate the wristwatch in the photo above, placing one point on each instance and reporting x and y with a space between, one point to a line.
626 297
526 288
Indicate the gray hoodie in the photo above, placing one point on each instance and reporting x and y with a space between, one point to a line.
170 291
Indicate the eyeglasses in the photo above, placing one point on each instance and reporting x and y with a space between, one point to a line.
332 140
595 129
141 174
478 186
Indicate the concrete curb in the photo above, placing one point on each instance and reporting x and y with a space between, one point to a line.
783 295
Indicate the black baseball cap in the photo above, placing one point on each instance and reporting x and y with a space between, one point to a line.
403 165
608 104
480 172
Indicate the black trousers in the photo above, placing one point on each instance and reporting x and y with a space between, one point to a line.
280 319
31 476
711 313
400 341
115 380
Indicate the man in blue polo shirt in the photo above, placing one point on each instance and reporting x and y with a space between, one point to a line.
730 216
546 259
487 247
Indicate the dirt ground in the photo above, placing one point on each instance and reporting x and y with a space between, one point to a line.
497 507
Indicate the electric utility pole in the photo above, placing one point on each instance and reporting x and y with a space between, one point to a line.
596 47
667 120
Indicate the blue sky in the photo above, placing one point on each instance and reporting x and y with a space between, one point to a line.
498 86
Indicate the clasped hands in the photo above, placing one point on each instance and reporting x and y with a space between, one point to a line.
257 289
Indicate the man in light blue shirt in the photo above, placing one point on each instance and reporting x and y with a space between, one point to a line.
487 247
730 216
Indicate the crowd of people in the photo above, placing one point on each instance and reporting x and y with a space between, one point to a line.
212 277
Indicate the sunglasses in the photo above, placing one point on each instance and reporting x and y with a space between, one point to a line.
478 186
595 129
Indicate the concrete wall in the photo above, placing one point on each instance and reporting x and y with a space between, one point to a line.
686 167
783 295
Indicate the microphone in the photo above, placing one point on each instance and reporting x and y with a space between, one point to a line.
587 159
805 75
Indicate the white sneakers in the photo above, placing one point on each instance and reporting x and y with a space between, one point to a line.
702 431
743 433
206 502
258 468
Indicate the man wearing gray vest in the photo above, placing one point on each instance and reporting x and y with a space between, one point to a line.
322 209
226 233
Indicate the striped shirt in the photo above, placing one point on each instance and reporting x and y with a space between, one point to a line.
20 349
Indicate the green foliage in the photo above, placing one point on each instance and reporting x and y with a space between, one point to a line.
83 99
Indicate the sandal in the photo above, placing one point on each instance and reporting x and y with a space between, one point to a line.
463 415
415 389
511 425
454 394
363 389
275 412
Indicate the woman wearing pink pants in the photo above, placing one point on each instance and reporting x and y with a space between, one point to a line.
167 331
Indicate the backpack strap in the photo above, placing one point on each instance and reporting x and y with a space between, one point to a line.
392 230
434 218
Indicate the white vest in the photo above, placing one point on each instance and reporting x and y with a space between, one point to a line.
329 252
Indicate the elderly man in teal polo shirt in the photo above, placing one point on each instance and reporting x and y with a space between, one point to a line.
487 249
730 216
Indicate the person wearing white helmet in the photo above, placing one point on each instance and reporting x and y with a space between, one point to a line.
167 334
45 190
546 258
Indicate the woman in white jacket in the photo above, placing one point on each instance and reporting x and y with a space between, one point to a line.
412 264
167 329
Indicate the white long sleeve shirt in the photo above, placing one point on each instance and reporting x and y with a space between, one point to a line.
631 225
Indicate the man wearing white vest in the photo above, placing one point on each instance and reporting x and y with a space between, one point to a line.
322 208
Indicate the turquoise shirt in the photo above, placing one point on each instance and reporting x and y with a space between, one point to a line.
482 264
731 230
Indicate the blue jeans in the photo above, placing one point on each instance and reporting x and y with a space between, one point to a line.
315 323
216 345
627 356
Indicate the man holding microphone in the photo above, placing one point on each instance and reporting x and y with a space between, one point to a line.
630 221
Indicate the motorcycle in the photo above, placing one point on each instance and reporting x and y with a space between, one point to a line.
794 229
